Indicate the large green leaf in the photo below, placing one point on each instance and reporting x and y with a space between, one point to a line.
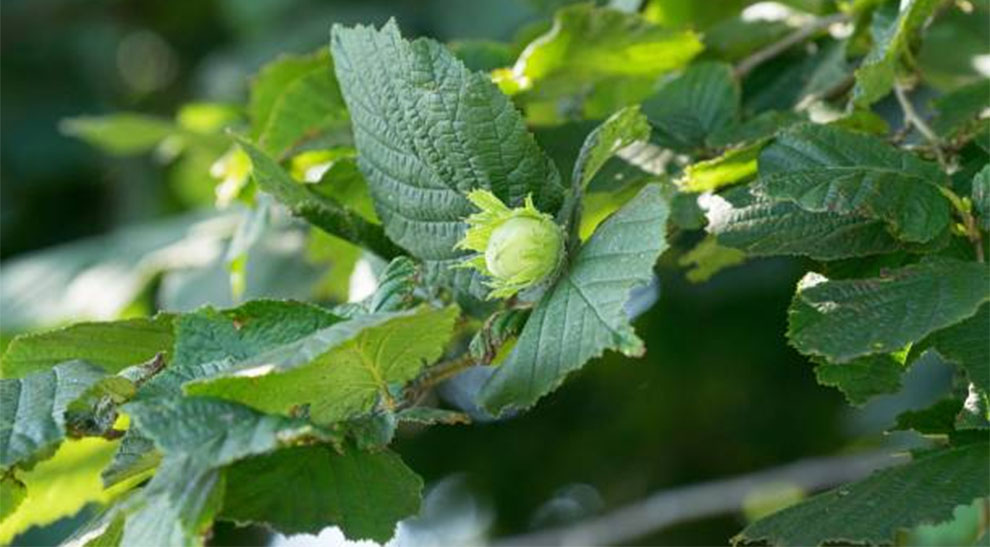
307 107
827 169
307 488
214 431
209 340
588 45
271 82
762 227
872 511
428 131
842 320
892 30
967 344
197 436
959 111
584 314
689 109
112 345
341 371
320 210
33 414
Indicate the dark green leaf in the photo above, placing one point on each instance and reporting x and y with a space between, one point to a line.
959 111
968 345
863 378
766 124
689 109
322 211
307 488
827 169
925 491
428 131
939 418
842 320
761 227
111 345
583 314
892 30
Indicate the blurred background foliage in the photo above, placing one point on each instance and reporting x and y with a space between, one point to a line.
86 234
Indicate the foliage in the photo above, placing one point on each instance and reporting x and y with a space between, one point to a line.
281 412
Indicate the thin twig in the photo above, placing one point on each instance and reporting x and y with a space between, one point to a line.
912 119
667 508
778 47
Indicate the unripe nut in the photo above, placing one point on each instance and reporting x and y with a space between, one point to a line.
523 245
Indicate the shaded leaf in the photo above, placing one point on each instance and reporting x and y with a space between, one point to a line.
112 345
925 491
940 418
845 319
689 109
763 125
827 169
862 378
967 344
892 29
583 314
708 258
307 488
213 431
959 112
762 227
